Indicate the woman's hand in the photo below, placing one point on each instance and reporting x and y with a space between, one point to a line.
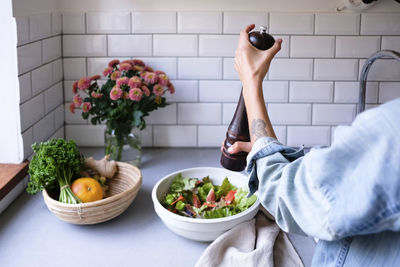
238 146
251 63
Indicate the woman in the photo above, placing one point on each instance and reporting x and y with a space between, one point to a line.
346 195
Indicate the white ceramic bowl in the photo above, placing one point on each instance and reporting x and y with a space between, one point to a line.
201 229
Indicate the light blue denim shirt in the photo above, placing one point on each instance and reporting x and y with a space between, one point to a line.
347 195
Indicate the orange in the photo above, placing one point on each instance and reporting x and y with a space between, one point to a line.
87 189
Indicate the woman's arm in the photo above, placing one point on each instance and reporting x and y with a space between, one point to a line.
252 65
350 188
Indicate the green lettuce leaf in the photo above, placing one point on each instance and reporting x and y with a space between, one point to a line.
203 191
169 198
225 187
219 213
180 205
180 184
241 201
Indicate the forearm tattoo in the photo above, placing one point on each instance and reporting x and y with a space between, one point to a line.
258 128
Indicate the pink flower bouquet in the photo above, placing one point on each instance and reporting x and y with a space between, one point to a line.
131 92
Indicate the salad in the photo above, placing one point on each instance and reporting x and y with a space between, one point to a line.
200 198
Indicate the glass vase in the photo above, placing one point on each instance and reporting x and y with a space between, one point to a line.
125 148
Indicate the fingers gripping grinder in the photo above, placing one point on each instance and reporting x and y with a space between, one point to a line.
238 129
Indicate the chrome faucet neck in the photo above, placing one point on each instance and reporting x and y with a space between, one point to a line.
365 70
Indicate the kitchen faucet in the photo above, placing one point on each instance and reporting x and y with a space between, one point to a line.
365 70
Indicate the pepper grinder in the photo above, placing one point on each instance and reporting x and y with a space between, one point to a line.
238 129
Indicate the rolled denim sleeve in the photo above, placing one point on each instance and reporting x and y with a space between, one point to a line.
350 188
263 147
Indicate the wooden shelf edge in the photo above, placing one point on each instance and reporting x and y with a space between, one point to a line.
11 175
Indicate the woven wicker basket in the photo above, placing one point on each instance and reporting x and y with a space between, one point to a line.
123 188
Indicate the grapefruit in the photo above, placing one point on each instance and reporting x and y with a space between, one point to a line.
87 189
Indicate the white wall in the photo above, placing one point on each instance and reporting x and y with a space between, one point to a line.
10 137
216 5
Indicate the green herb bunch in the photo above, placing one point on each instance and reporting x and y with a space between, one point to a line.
55 161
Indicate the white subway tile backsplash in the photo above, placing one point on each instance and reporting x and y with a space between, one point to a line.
175 45
44 128
291 69
211 135
73 22
380 23
199 113
32 111
51 49
39 26
86 135
357 46
53 97
229 69
391 43
145 135
22 30
108 22
219 91
290 113
68 94
25 89
129 45
59 117
29 57
275 91
370 106
84 45
312 46
228 109
388 91
185 91
58 70
56 23
291 23
166 115
199 68
308 136
383 70
27 138
42 78
348 92
218 45
154 22
175 135
285 46
235 22
320 60
337 23
73 118
75 68
165 64
333 114
280 132
336 69
199 22
309 92
58 134
95 66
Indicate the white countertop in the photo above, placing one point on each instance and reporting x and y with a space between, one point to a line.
30 235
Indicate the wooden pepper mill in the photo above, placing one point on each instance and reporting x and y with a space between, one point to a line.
238 129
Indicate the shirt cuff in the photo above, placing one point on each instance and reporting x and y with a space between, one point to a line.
264 147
